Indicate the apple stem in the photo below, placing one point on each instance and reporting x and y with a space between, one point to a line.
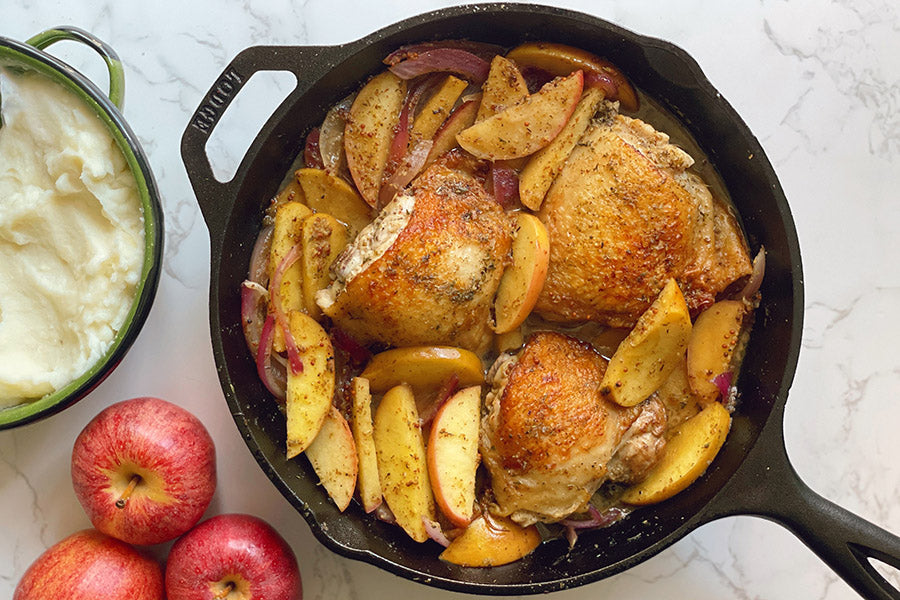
224 593
123 499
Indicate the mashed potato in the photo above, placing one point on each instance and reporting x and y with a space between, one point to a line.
71 237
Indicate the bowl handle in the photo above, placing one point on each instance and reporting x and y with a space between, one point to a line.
766 485
113 64
215 197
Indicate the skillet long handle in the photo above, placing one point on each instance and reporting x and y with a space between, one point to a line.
214 196
768 486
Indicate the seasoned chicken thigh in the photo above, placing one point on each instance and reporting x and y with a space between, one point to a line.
624 216
426 270
548 437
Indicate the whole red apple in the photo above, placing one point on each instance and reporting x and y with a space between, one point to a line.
144 470
233 556
89 565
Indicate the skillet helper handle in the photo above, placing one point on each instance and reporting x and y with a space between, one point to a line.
768 486
113 64
214 196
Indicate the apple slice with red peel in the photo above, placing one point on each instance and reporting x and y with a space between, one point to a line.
453 455
402 465
310 390
526 127
436 110
490 541
334 459
361 421
560 60
370 130
711 347
423 367
463 116
523 280
503 88
542 168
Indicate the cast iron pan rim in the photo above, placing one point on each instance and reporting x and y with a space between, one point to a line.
152 275
339 54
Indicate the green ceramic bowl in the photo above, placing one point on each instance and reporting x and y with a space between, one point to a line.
29 56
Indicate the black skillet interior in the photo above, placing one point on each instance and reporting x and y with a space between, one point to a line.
233 211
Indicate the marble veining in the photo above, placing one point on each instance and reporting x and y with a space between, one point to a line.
817 83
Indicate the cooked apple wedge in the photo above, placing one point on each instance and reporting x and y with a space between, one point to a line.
503 88
540 171
687 454
402 465
445 139
285 235
334 459
361 420
292 192
491 541
310 390
322 239
423 367
526 127
327 193
711 348
370 129
453 455
523 280
436 110
656 345
560 59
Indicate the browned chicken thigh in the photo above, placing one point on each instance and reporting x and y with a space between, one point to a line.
624 216
549 438
426 270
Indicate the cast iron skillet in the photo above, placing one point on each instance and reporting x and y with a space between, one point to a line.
751 475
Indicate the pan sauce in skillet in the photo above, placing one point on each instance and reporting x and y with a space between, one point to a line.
677 395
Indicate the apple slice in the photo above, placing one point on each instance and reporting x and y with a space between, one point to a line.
309 392
402 465
687 454
491 541
559 59
503 88
523 280
334 459
436 110
656 345
370 129
423 367
453 455
527 127
322 239
330 194
291 192
463 116
712 345
285 235
538 175
361 420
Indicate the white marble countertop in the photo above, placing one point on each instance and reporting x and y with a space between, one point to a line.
819 85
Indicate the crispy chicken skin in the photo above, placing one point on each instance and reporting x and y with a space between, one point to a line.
426 271
547 435
623 216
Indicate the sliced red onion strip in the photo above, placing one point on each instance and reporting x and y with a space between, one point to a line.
312 154
505 183
359 354
447 389
433 529
264 367
384 513
597 518
723 382
406 172
253 312
599 79
756 277
480 49
296 363
442 60
400 142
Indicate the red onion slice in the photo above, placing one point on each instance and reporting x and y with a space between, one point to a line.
433 529
505 184
272 377
259 257
723 382
383 513
443 60
756 277
253 312
447 389
359 354
599 79
312 154
296 363
481 49
406 172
